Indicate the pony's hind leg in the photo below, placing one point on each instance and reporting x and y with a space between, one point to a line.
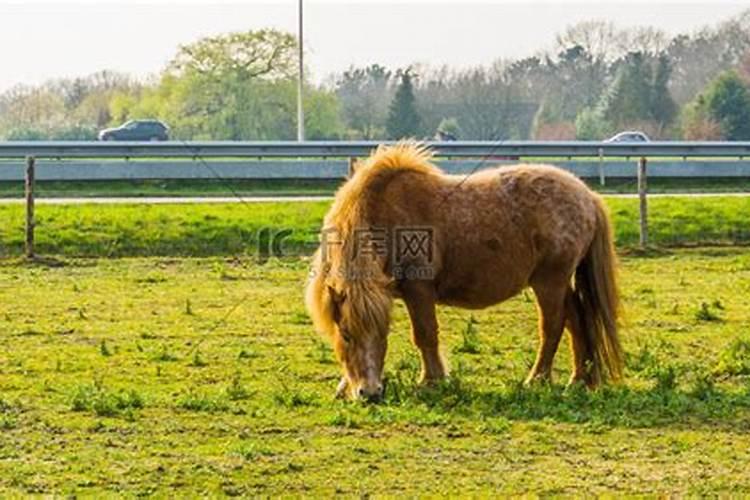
419 298
551 305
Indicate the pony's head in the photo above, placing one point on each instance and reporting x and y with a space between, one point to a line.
354 313
349 295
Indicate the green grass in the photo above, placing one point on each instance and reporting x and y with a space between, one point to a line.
317 187
238 229
207 187
109 385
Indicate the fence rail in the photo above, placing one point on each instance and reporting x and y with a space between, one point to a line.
343 149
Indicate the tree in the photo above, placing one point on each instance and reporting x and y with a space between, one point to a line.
723 106
364 94
697 124
663 107
576 80
600 39
628 99
448 130
699 57
266 53
728 102
403 118
592 126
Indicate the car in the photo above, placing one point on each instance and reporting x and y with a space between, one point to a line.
629 136
136 130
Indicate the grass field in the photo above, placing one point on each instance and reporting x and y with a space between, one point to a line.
236 229
182 375
298 187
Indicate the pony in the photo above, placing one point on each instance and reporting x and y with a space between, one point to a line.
400 228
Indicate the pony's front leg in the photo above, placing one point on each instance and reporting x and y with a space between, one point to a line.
419 297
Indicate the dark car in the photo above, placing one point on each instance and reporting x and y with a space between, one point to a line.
136 130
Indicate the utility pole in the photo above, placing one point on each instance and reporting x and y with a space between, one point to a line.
300 81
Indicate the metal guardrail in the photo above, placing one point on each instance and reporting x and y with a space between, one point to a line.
138 169
342 149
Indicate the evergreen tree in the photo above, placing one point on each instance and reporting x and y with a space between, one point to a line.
663 107
628 99
722 110
728 102
403 118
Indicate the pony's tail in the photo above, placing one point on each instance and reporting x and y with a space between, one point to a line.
597 299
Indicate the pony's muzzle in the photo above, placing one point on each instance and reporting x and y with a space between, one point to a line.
371 395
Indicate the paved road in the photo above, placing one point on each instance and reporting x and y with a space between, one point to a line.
165 200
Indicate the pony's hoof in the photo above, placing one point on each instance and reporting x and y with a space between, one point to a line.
430 381
581 381
342 391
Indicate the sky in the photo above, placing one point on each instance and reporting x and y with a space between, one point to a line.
43 39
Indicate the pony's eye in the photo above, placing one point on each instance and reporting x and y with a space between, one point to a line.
346 338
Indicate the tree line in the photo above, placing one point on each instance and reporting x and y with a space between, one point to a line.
242 86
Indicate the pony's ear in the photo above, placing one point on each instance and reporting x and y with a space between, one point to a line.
354 164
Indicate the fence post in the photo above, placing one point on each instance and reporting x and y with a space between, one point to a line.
602 181
29 188
643 201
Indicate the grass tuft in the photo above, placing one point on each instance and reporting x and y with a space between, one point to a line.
104 403
735 360
192 401
470 339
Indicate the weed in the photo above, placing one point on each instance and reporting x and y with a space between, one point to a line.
103 349
665 378
236 391
251 451
247 354
300 318
197 361
165 355
734 360
8 423
705 313
704 387
322 353
105 403
292 398
152 278
202 403
5 406
495 426
345 419
470 338
643 360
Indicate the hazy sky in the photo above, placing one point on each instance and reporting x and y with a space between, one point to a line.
46 39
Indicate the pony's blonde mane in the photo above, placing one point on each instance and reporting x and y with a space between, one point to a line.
347 211
346 269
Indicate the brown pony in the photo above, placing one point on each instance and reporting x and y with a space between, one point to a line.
400 228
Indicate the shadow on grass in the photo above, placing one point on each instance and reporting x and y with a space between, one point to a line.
617 405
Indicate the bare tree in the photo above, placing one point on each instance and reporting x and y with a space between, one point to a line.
601 39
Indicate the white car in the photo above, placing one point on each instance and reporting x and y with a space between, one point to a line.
629 136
